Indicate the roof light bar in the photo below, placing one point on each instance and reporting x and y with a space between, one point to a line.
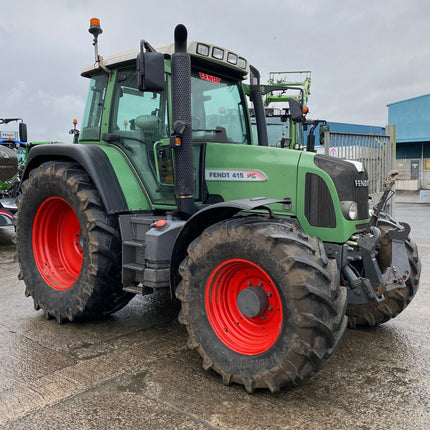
219 54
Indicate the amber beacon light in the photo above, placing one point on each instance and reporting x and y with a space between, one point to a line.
95 28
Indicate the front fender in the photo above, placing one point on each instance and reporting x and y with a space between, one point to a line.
207 216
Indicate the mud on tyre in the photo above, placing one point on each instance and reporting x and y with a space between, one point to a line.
69 248
261 302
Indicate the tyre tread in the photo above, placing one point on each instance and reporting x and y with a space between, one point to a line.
100 292
320 309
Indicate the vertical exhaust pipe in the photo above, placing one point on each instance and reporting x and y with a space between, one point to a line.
181 114
257 100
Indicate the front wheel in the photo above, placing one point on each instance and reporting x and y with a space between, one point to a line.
261 302
69 248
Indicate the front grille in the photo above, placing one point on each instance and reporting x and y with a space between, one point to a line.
319 209
350 184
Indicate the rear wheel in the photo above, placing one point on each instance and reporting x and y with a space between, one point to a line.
374 313
69 248
261 302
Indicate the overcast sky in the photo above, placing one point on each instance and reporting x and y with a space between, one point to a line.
363 54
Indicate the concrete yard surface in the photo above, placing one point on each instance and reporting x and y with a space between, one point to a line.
134 369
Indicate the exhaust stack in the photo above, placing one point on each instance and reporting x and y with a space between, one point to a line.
181 113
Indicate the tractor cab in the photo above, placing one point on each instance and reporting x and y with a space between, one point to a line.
139 123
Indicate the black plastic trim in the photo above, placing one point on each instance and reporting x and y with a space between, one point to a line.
319 209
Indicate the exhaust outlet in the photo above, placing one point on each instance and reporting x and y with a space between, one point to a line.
181 113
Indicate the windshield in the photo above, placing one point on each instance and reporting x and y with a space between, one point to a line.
217 110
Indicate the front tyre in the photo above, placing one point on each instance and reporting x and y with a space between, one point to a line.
261 302
69 248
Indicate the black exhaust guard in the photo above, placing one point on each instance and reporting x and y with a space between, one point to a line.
257 100
181 111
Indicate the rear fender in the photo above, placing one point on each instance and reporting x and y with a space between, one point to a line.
95 162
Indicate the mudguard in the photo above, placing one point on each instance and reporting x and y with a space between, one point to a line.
96 163
207 216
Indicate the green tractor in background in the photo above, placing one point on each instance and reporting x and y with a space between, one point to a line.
284 129
13 151
270 251
280 119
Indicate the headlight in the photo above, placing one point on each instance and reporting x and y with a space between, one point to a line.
349 210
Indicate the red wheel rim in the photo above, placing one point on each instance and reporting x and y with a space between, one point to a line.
56 243
244 335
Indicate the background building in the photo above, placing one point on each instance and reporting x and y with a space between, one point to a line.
412 120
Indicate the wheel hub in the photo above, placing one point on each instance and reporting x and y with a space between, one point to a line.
243 306
252 301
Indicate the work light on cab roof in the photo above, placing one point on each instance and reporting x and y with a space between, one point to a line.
220 54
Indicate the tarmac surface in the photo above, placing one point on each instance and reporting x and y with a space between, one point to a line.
134 369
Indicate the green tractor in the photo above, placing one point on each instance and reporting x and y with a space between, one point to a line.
13 151
268 250
284 129
295 85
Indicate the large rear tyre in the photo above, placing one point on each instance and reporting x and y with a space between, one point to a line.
375 313
69 248
261 302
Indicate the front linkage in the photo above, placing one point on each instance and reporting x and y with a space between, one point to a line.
377 261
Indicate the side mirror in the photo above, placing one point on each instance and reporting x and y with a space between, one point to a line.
150 70
296 110
22 132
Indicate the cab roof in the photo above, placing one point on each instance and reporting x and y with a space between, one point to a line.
200 52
